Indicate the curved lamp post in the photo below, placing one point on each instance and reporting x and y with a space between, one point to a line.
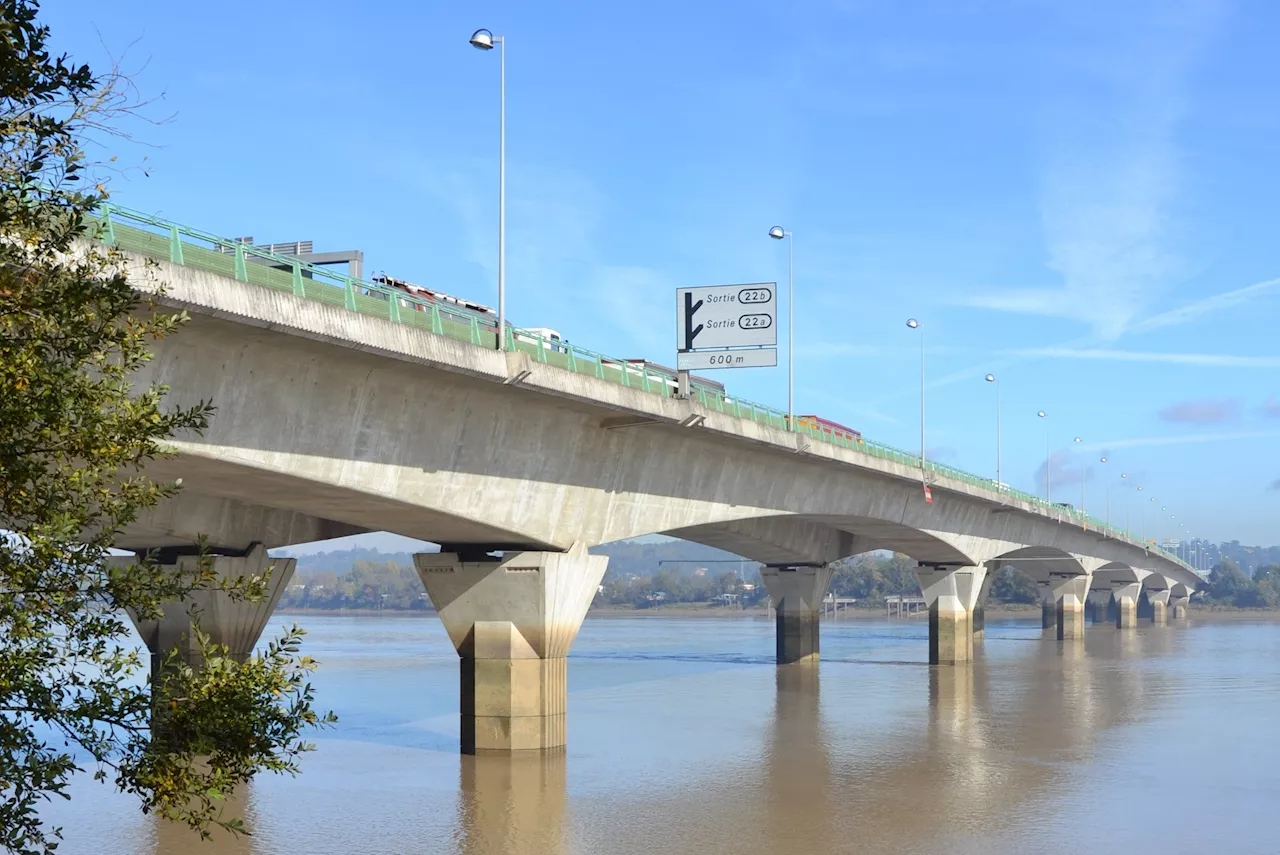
778 233
1078 440
915 325
485 40
991 378
1048 462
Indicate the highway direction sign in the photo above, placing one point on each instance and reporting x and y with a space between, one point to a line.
721 316
697 360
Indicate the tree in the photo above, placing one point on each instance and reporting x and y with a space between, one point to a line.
75 439
1012 586
1229 585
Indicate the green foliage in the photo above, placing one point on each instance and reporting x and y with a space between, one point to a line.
1231 586
643 558
669 585
874 576
367 585
1011 586
76 436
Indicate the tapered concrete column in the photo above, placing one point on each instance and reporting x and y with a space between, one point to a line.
797 594
1099 601
1069 593
234 623
952 593
512 621
1048 606
980 608
1159 606
1178 607
1126 598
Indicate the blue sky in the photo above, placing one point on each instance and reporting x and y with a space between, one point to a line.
1079 197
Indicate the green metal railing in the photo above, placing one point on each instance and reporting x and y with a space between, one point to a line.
159 238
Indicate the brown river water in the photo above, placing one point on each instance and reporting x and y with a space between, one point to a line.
685 738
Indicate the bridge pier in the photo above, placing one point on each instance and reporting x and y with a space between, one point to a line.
797 594
1048 606
1126 597
237 624
1099 602
512 620
980 608
952 593
1178 607
1069 594
1159 606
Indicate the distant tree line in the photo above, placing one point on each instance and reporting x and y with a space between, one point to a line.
367 585
1231 586
668 586
869 578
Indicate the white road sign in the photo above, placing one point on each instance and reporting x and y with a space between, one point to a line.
720 316
697 360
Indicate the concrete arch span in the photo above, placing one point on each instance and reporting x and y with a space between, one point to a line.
451 453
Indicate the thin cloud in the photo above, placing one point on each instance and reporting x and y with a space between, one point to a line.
1111 190
1203 360
1216 303
1205 412
1275 485
1271 409
1185 439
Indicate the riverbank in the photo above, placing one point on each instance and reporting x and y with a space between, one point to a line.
702 611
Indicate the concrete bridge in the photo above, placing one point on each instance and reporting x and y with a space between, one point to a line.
343 407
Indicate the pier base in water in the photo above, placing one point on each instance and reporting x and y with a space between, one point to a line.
512 621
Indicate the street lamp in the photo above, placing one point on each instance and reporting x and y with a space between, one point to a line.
1103 459
1126 510
485 40
1048 462
991 378
915 325
778 233
1077 440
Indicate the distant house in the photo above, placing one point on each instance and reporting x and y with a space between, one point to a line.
657 596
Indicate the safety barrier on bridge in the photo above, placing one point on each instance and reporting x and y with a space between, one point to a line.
160 238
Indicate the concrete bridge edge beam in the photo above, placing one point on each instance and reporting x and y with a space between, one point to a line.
512 621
